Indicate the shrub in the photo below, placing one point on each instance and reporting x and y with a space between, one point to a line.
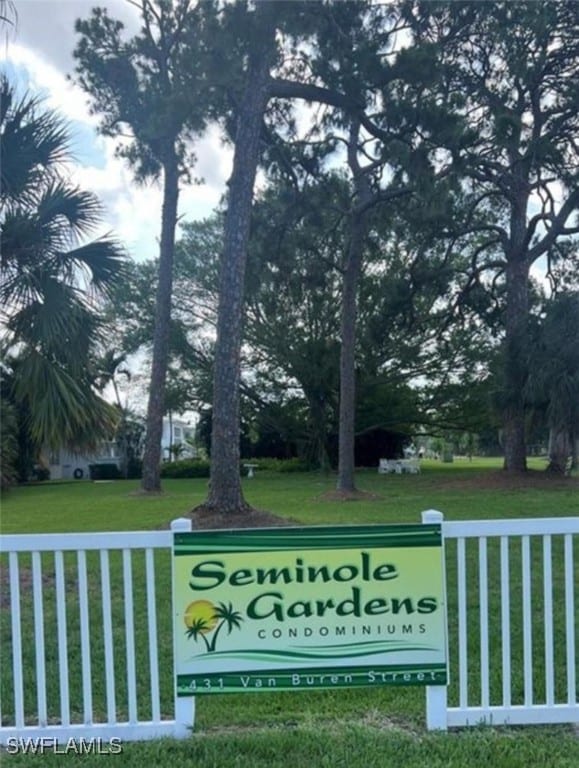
134 469
276 465
40 474
104 472
186 468
191 468
8 443
294 465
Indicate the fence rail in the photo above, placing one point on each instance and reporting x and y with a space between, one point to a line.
92 649
493 608
97 607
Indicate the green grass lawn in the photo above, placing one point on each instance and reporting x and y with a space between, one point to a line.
367 727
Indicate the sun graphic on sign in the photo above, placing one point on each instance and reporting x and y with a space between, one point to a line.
201 613
203 617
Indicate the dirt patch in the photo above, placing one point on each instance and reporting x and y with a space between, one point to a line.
349 496
500 480
205 518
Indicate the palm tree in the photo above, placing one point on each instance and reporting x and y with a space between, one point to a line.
52 279
198 628
228 617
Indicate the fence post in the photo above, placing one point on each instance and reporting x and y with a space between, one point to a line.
436 695
184 705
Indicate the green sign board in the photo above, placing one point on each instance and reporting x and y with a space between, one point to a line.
320 607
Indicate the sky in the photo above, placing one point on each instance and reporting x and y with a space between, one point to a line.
38 55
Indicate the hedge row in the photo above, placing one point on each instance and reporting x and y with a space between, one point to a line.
185 468
199 468
277 465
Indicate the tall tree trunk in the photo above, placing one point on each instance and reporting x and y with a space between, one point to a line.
516 364
560 449
225 494
151 480
351 277
574 450
318 430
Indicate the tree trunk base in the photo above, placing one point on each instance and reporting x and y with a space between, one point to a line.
515 469
208 516
556 468
208 507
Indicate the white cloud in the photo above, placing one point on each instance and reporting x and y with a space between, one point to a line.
132 212
60 94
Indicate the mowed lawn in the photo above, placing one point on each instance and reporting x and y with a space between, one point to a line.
362 727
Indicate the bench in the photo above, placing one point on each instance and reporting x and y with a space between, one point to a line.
399 466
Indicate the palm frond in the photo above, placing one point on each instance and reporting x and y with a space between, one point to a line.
64 411
68 208
104 260
197 627
33 143
59 324
51 278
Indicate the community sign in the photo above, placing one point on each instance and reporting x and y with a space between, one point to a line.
320 607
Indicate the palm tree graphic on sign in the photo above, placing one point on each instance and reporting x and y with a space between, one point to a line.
202 618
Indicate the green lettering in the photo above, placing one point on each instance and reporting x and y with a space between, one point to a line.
201 572
398 605
273 575
385 572
275 609
298 609
313 573
427 604
322 606
345 573
241 577
350 607
376 606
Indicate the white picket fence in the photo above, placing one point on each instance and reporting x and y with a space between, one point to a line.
79 711
510 543
76 719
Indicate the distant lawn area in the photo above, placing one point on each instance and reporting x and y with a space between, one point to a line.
355 728
462 490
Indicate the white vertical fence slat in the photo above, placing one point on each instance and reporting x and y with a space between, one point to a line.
484 621
130 635
78 545
152 629
84 638
505 621
548 621
554 710
39 651
108 636
184 705
462 624
439 715
16 639
570 621
62 638
527 621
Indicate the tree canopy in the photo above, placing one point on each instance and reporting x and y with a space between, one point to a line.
54 278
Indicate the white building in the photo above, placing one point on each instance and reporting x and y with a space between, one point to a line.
177 440
64 465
